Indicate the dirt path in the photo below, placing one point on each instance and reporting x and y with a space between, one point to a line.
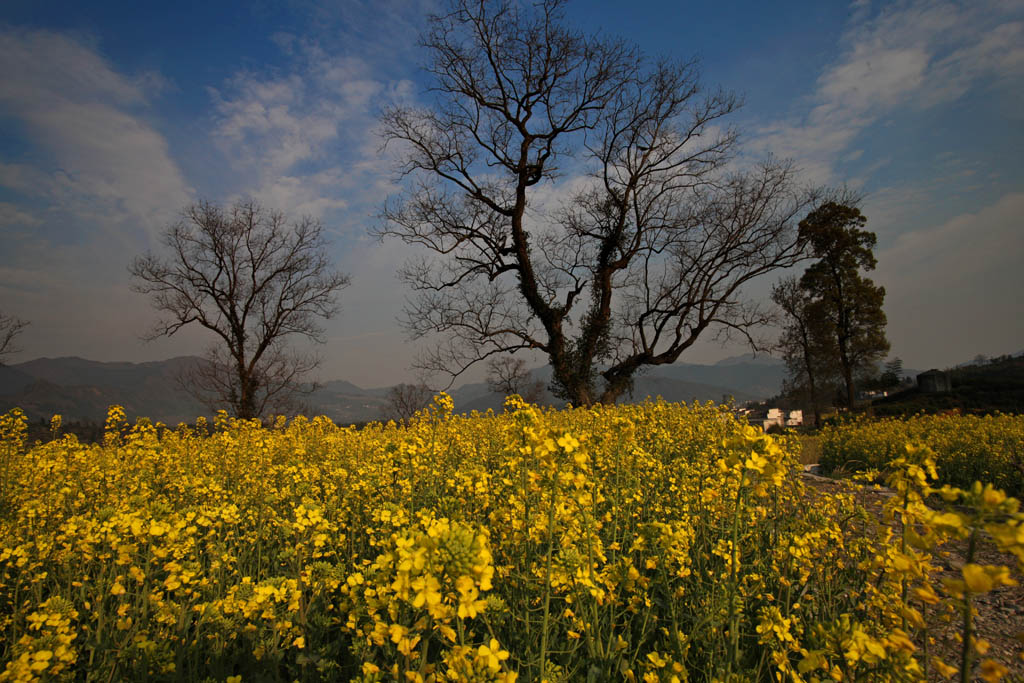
1000 613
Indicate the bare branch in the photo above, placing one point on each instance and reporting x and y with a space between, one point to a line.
405 400
507 375
10 328
646 257
254 280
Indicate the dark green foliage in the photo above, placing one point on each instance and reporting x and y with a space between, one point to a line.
847 306
997 386
893 373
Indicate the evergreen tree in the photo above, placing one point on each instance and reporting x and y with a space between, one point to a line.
893 374
843 302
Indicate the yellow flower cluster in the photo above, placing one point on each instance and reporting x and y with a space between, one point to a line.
967 448
46 650
656 542
425 588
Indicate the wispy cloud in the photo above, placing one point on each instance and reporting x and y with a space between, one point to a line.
909 55
93 150
11 215
91 184
304 139
88 175
381 32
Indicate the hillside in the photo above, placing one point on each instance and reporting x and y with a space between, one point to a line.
478 397
81 390
750 377
347 403
996 386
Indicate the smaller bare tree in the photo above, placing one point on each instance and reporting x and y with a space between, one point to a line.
254 280
405 400
804 347
10 328
507 375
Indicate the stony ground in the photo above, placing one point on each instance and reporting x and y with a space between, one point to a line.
1000 614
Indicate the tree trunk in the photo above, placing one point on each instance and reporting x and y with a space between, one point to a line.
814 398
246 407
848 378
572 385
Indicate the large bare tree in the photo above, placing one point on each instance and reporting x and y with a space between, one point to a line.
256 281
10 328
578 200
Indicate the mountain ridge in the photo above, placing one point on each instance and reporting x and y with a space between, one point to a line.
80 389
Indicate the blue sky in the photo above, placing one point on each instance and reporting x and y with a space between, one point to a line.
114 116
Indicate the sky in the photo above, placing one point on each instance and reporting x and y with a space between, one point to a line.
115 116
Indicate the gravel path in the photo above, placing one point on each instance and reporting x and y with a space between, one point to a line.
1000 618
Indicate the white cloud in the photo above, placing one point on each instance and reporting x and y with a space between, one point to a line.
305 139
44 69
873 76
102 157
95 183
383 32
99 175
964 246
30 181
273 122
914 54
999 53
14 215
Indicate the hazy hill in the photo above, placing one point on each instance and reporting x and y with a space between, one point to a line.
347 403
80 389
13 380
997 385
747 376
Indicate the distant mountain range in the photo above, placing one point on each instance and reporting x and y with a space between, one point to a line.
80 389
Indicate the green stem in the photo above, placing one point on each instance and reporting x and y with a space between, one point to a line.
968 619
924 642
547 587
734 635
903 550
426 646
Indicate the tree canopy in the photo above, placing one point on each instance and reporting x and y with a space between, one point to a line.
845 307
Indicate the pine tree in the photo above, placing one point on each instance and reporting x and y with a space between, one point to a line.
846 304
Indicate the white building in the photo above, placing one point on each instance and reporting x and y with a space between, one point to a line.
778 417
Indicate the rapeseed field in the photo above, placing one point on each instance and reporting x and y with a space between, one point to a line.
655 542
967 448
